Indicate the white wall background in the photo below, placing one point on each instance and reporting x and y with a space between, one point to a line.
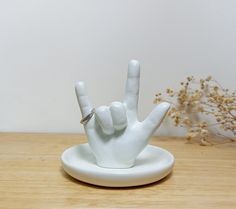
47 45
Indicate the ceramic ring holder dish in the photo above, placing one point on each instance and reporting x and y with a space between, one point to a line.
117 153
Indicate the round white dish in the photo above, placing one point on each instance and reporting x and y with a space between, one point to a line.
153 164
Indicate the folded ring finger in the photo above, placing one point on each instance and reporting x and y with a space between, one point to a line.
104 119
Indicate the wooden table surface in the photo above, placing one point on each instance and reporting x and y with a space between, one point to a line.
31 177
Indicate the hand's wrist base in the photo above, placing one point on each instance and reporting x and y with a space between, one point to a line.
114 164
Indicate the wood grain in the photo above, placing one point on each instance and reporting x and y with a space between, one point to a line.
31 177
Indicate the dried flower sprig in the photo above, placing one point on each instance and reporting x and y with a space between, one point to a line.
197 98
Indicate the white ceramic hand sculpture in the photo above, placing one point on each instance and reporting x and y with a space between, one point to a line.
115 135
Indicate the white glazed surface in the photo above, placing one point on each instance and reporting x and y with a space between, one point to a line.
115 135
151 165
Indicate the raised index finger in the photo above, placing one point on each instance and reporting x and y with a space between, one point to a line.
132 85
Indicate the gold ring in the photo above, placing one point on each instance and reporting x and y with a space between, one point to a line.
87 118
